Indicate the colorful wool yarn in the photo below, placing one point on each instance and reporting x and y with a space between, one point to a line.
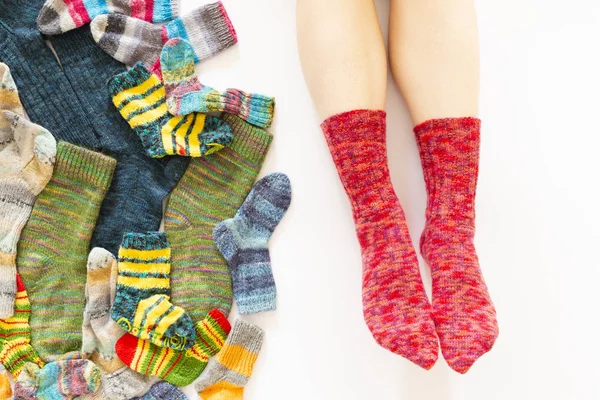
60 16
177 367
140 98
210 191
142 304
15 336
132 40
395 306
54 246
5 389
244 242
231 369
100 332
27 153
185 93
464 315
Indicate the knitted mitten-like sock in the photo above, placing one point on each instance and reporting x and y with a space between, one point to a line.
60 16
231 369
244 240
27 154
142 305
5 389
140 98
161 391
130 40
15 335
464 315
211 190
120 382
9 97
185 93
177 367
395 306
54 245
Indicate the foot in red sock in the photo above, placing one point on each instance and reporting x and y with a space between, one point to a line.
395 306
464 315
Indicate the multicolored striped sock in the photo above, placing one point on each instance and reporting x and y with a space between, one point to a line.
463 311
15 336
395 306
231 369
130 40
177 367
244 242
54 246
210 191
100 332
142 305
140 98
27 153
185 93
60 16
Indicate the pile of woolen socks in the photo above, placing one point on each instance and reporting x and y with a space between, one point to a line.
95 301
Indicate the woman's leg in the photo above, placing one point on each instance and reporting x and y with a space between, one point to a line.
343 59
435 61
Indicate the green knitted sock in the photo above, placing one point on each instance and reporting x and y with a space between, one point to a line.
53 249
210 191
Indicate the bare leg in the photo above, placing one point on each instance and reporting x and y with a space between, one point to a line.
435 61
343 59
342 55
434 54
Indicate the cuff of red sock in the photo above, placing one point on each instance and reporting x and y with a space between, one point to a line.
447 125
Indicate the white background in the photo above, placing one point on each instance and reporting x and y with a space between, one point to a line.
537 209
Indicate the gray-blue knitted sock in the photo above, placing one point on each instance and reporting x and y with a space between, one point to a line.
243 241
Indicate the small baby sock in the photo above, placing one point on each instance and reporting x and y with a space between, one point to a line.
131 40
231 369
119 381
463 311
27 153
142 305
185 93
177 367
140 98
243 241
15 336
163 391
60 16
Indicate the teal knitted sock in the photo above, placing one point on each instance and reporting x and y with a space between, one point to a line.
185 93
243 242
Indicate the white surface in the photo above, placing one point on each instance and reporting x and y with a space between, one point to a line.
537 211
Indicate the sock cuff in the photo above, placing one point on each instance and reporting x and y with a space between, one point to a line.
85 165
137 75
145 241
221 23
355 126
246 335
249 141
447 126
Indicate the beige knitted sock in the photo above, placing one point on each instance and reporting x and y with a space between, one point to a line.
27 154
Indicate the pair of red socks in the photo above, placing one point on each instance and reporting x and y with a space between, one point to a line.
396 308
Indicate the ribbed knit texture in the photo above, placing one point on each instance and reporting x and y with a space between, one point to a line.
464 315
54 246
27 153
163 391
132 40
212 190
142 305
395 306
177 367
244 240
90 120
185 93
140 98
15 336
231 369
100 332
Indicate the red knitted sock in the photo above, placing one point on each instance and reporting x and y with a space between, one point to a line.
395 306
464 315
